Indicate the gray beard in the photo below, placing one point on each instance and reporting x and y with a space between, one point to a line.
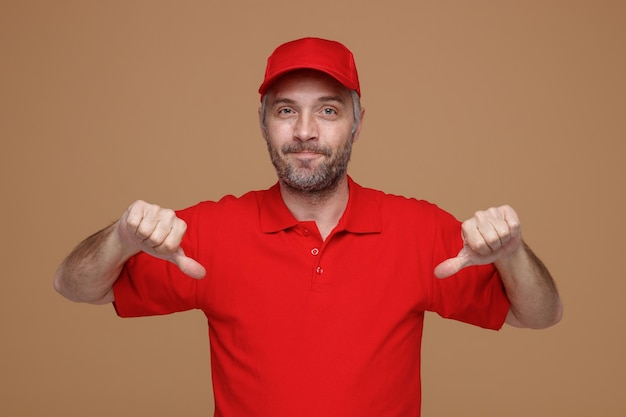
304 180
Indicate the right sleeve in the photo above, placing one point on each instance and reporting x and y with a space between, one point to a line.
149 286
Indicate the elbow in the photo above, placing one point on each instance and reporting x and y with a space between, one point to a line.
72 291
544 320
58 282
62 286
558 314
554 316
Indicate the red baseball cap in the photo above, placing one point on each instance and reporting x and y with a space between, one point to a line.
327 56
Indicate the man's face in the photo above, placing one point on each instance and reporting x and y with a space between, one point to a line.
309 124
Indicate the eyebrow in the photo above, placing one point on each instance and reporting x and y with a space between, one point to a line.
323 99
331 98
282 101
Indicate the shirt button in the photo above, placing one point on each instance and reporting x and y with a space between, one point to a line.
315 251
319 270
306 232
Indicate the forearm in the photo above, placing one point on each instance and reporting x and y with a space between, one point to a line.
535 302
89 271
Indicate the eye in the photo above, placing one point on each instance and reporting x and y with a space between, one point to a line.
285 110
329 111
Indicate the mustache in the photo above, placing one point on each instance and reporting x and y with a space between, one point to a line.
306 147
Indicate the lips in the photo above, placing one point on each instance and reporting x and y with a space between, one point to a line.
306 149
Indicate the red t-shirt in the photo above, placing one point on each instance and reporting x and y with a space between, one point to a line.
303 327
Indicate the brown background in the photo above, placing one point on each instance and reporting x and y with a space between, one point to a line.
469 104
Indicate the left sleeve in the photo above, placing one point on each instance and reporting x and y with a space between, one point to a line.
474 295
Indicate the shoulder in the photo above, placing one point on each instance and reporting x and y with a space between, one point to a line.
400 206
403 216
229 210
227 204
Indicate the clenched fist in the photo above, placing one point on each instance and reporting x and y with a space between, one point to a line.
158 232
488 236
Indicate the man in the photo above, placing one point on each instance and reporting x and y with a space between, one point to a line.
315 289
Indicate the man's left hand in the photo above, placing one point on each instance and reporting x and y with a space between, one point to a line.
488 236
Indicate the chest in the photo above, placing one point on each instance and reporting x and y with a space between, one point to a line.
295 278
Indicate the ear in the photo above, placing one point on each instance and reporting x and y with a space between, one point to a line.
357 131
262 124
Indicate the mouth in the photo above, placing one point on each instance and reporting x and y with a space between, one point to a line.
306 159
306 151
307 154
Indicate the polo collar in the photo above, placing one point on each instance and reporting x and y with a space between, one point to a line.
362 213
274 214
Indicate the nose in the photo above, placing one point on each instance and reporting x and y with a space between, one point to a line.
305 128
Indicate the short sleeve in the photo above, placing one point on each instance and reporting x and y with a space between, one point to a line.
148 286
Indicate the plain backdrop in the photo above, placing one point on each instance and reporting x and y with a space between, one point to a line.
469 104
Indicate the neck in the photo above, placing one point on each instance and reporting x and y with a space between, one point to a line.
324 207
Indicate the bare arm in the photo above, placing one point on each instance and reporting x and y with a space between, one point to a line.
494 236
535 301
91 269
88 273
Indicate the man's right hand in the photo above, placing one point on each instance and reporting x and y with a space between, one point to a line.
158 232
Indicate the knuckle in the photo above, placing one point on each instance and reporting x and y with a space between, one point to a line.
143 232
469 225
153 209
167 213
169 246
479 214
136 204
492 243
131 222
